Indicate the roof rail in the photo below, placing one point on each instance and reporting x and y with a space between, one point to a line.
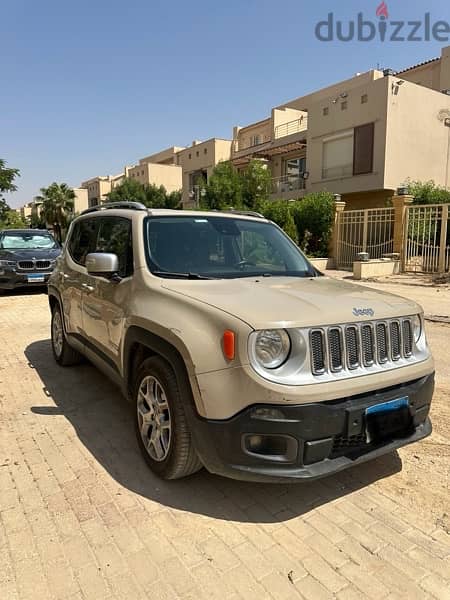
246 213
112 205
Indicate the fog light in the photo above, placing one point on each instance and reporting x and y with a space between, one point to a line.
271 447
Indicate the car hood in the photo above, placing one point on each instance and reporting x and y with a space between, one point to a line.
264 302
44 254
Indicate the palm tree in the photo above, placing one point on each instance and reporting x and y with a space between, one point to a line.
57 206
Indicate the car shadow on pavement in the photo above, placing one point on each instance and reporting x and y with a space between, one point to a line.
103 422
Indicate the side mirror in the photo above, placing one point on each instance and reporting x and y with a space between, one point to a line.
102 263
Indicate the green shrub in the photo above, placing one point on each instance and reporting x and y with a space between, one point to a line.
314 219
280 212
427 192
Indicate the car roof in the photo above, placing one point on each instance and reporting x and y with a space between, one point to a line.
135 209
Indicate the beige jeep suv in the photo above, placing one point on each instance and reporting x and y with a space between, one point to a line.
236 353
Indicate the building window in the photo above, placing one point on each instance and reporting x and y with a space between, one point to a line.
325 111
337 155
205 151
363 149
142 172
344 105
364 99
294 167
255 140
190 155
197 153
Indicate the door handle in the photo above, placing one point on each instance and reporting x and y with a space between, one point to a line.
87 287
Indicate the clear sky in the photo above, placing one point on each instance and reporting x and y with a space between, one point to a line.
87 86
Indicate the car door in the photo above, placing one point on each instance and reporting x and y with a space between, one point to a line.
73 274
104 300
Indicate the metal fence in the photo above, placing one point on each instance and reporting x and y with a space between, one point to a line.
370 230
426 247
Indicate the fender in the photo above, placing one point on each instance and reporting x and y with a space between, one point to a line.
184 373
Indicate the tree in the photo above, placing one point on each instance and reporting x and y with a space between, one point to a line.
11 219
280 212
149 194
224 188
173 199
7 177
314 219
427 192
57 206
256 184
130 190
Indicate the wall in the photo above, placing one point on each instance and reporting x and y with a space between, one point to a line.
261 128
165 157
280 116
170 176
338 120
428 75
81 201
417 141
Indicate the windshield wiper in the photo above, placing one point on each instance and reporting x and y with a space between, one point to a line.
176 275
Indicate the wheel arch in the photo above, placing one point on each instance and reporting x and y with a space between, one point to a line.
140 344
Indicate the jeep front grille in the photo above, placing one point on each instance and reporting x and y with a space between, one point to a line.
347 347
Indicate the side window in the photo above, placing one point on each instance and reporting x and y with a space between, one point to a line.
114 235
82 241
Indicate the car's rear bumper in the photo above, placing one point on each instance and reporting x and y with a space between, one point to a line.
308 441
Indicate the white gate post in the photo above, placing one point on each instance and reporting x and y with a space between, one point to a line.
443 242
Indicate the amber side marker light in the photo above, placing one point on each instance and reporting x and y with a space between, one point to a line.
228 344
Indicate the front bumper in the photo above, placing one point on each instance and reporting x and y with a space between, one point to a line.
10 280
308 441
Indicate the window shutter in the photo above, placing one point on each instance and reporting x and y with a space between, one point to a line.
363 149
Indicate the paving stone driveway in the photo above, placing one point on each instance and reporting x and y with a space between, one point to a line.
82 517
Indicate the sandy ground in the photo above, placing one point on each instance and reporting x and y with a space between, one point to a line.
423 484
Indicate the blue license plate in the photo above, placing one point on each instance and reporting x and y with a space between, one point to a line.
388 406
36 278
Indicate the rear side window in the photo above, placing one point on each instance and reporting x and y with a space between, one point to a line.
114 235
82 240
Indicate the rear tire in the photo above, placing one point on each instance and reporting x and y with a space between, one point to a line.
161 426
64 354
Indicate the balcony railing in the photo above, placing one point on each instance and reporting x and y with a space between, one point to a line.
287 183
291 127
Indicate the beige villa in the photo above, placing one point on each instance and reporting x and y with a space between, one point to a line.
361 138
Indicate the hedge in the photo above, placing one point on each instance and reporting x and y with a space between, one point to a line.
308 221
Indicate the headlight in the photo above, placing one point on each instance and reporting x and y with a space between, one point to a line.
7 263
417 327
272 347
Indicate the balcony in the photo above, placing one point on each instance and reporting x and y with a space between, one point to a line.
291 127
287 185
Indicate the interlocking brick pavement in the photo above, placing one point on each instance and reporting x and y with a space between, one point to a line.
81 516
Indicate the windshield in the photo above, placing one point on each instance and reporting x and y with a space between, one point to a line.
199 247
24 240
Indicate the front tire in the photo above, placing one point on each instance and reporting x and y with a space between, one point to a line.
161 427
64 354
